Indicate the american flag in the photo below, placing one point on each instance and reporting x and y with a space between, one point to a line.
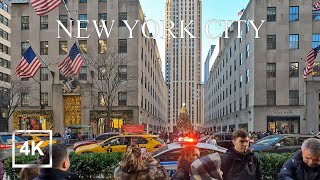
29 64
71 65
240 12
310 60
316 6
42 7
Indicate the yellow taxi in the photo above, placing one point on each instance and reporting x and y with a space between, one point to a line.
119 144
37 138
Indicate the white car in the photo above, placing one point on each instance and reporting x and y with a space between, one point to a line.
168 155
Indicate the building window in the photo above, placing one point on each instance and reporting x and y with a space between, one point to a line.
43 74
271 14
247 25
240 85
83 46
122 71
24 22
316 15
240 59
64 20
24 47
294 41
122 98
44 99
247 100
83 73
63 47
24 99
122 46
102 46
271 70
315 40
102 72
294 97
44 48
235 86
235 65
271 42
44 22
247 75
122 16
4 34
240 103
83 24
102 99
294 69
247 50
82 1
102 17
271 97
294 13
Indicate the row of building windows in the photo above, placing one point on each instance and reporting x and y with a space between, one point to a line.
4 34
4 63
4 77
293 69
4 6
4 20
293 14
63 47
4 49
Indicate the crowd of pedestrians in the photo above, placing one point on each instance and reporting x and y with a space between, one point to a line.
239 163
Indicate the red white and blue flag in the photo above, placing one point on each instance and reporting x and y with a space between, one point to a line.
316 6
310 60
71 65
29 64
42 7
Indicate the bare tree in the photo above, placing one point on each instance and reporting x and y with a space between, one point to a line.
112 74
10 96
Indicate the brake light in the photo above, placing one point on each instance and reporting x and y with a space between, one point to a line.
5 146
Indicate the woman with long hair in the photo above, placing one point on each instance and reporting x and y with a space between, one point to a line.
188 155
134 167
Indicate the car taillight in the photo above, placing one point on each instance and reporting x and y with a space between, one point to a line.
4 146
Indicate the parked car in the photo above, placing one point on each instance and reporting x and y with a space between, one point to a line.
98 139
223 139
169 154
280 143
6 144
121 142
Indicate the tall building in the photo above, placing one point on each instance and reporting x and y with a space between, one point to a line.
207 63
142 98
183 60
257 83
5 60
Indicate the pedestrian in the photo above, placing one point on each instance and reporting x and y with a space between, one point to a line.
188 155
132 166
305 163
60 164
29 173
211 140
199 168
239 163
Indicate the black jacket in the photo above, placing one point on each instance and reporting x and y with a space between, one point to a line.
56 174
236 166
183 170
296 169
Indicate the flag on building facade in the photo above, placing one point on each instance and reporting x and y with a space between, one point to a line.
71 65
29 64
240 12
42 7
316 6
310 61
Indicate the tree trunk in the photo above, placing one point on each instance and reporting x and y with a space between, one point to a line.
109 109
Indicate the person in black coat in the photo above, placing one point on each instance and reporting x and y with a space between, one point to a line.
188 155
60 164
305 164
239 163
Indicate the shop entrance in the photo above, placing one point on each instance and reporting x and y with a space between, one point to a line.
283 125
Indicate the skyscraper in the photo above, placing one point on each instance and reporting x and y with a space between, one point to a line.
183 59
207 63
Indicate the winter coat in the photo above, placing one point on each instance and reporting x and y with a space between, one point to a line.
56 174
153 172
206 168
183 170
236 166
295 168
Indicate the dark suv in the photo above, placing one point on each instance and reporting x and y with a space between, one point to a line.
280 143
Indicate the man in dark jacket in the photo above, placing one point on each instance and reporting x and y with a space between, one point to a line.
305 164
239 163
60 164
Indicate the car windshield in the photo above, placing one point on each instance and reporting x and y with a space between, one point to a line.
163 148
268 140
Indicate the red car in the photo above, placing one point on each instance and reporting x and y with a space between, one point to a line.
99 138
